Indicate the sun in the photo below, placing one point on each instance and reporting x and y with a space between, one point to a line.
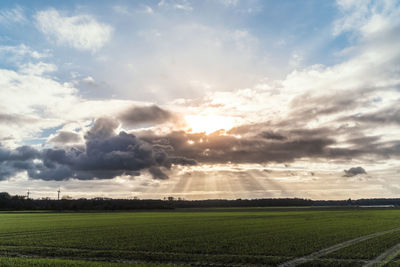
208 123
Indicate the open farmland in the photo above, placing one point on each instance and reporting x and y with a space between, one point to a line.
259 236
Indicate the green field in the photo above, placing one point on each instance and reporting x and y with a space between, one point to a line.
259 236
368 249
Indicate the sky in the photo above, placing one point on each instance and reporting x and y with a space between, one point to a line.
200 99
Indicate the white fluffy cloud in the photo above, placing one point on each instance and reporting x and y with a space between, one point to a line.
82 32
365 16
19 52
35 100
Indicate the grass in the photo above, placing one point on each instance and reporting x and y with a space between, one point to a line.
236 236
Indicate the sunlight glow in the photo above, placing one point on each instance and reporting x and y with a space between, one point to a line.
209 123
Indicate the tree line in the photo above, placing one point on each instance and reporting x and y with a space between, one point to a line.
16 202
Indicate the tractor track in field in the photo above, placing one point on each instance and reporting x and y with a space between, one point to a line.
12 253
325 251
108 260
385 257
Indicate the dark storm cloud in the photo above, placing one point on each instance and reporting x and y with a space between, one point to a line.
121 152
22 159
264 130
384 117
364 140
19 154
64 137
145 115
354 171
354 131
105 155
6 172
53 172
222 148
157 173
108 156
332 109
182 161
258 144
102 128
272 135
12 161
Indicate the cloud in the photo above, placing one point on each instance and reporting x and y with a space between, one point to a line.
123 10
13 161
82 32
28 90
295 60
14 119
354 171
105 155
146 9
37 68
213 48
19 154
37 101
103 128
365 17
14 15
137 116
272 135
255 144
385 116
20 52
222 148
176 4
157 173
34 101
229 2
65 137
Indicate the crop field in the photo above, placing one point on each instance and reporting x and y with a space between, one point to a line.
368 249
218 237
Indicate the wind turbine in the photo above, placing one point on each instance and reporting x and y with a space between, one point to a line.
58 191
